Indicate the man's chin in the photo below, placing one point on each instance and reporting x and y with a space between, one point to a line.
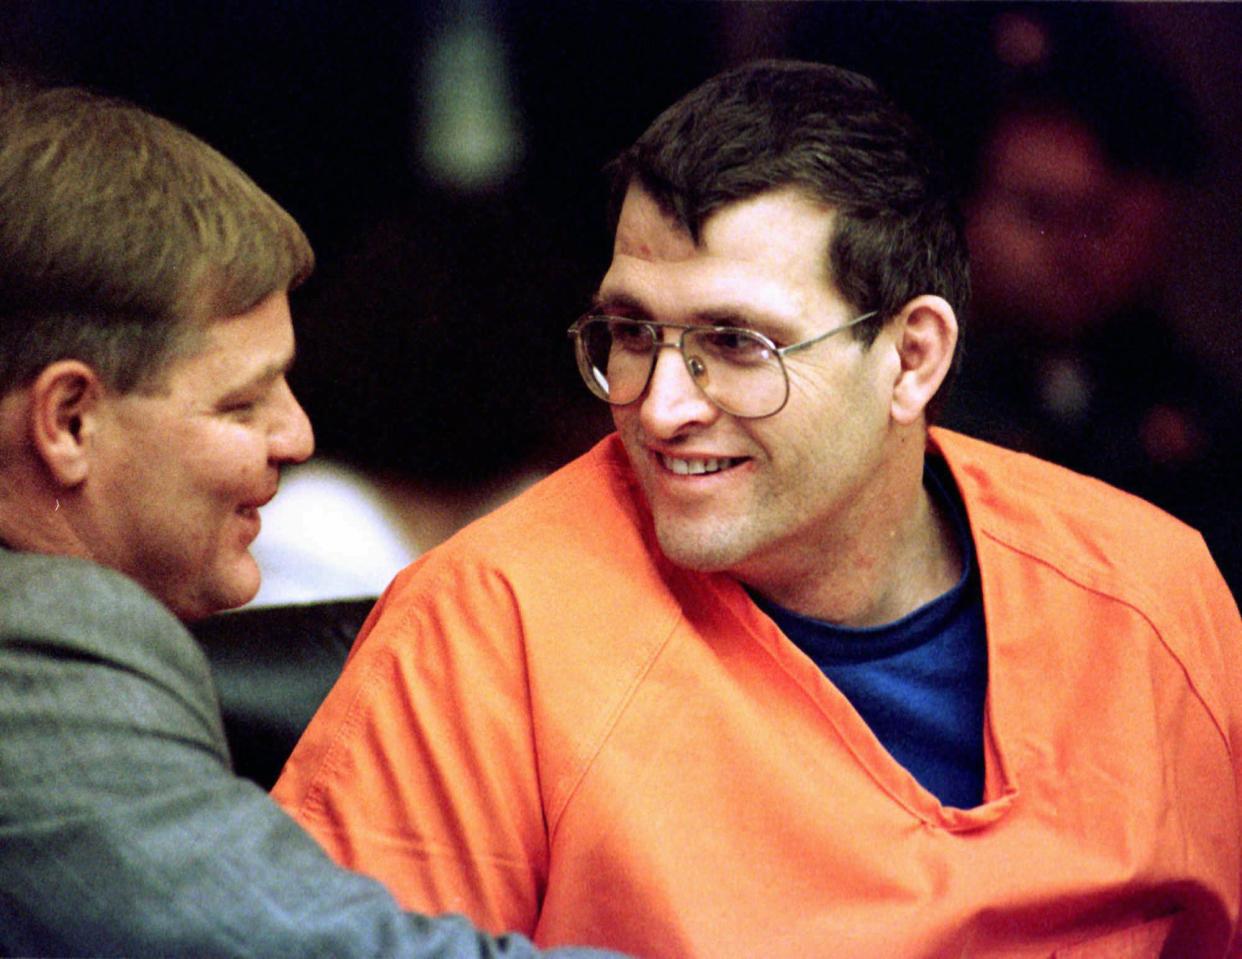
696 548
224 592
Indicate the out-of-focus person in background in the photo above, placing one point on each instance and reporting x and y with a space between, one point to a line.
1072 356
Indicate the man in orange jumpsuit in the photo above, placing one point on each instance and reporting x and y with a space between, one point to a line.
777 670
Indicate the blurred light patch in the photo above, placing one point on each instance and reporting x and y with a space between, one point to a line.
470 137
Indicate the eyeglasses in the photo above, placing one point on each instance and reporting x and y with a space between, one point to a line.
740 371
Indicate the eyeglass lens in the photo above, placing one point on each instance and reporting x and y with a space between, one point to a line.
735 369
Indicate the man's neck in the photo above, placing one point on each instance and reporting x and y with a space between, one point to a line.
896 551
36 523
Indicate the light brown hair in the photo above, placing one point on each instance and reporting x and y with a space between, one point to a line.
121 235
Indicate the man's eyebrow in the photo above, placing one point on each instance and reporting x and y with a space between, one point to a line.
725 316
601 303
774 326
267 374
277 368
777 327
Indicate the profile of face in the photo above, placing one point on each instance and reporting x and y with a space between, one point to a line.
760 498
1060 237
177 475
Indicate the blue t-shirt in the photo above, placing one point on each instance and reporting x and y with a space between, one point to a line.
919 682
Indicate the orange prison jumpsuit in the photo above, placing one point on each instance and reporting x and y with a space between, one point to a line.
547 726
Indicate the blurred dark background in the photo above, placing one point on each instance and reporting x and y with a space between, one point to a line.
445 158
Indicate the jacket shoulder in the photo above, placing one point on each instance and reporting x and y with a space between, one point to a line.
42 590
61 606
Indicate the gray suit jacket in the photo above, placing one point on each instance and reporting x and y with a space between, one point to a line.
123 830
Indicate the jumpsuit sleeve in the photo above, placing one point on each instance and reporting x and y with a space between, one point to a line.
420 767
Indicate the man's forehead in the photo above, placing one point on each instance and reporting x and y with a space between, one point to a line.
647 231
766 253
785 224
252 345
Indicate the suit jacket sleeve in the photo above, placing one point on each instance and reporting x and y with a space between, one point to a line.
123 830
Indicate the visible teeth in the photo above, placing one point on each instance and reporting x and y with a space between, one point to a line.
694 467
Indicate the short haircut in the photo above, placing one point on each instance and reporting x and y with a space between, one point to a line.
833 136
122 236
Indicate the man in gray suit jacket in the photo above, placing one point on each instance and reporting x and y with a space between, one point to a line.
144 418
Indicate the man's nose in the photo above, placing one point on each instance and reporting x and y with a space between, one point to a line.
292 440
673 400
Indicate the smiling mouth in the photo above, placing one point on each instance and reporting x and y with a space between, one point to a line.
697 467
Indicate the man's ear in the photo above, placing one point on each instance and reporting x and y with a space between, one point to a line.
926 331
64 402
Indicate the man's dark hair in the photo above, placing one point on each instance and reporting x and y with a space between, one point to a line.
834 136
